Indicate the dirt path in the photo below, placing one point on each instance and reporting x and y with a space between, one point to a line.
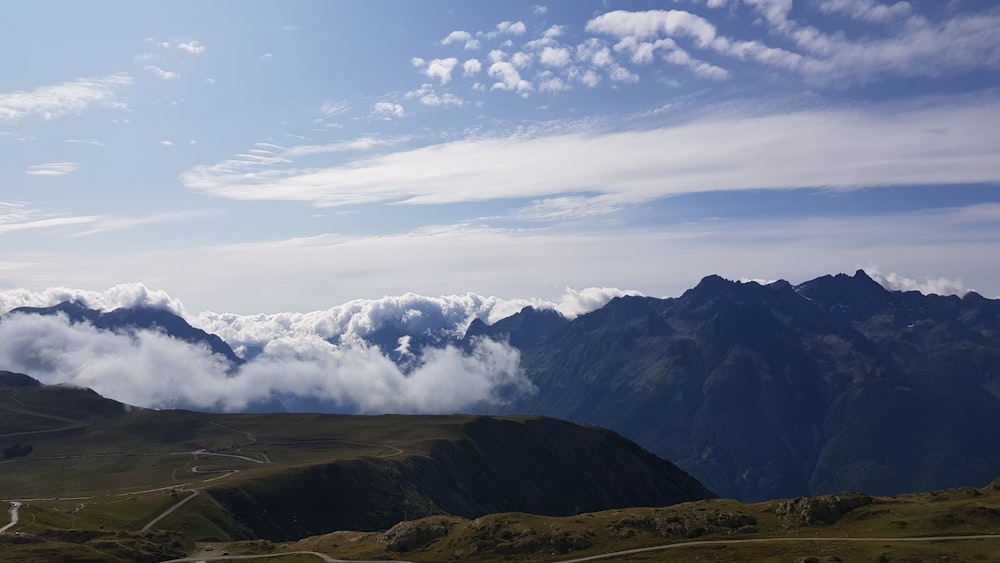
683 545
163 514
213 556
14 517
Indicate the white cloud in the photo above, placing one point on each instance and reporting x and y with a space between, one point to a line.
553 84
167 143
927 286
428 97
652 24
511 28
388 110
554 31
508 78
589 78
522 60
192 47
539 10
471 66
621 74
775 12
441 69
595 52
66 98
267 56
150 369
115 297
18 216
93 142
52 169
444 317
463 37
160 73
916 47
844 149
553 56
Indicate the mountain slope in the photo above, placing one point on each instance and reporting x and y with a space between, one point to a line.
285 476
775 390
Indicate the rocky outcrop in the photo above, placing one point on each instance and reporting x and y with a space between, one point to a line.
819 511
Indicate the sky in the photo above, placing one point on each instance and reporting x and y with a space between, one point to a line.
285 173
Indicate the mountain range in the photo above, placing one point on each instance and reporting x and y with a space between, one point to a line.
759 391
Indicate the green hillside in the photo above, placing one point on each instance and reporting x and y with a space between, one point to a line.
85 469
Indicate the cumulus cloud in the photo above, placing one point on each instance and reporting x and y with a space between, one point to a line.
388 110
115 297
439 318
508 78
427 96
511 28
193 47
554 56
463 37
66 98
471 66
52 169
441 69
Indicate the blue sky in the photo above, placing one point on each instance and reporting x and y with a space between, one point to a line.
265 156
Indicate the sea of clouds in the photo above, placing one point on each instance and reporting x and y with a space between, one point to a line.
318 360
321 360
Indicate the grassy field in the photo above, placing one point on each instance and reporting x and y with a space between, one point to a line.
97 474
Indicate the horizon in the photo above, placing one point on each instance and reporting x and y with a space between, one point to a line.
318 359
250 158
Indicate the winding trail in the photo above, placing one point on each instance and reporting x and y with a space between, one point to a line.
324 557
682 545
14 517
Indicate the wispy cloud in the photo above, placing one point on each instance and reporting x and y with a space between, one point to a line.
16 216
160 73
67 98
52 169
838 149
107 224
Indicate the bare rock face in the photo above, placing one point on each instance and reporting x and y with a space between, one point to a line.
819 511
414 534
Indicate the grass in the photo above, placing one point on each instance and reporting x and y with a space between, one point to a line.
128 468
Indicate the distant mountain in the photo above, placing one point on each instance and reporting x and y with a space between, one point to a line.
524 330
132 318
765 391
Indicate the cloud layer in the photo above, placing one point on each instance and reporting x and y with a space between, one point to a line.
150 369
